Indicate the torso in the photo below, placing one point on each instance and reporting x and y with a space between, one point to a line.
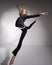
20 21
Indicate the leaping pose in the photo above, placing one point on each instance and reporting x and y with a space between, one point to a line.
20 24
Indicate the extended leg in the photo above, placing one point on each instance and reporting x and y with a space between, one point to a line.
20 42
24 31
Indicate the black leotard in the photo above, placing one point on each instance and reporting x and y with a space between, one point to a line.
20 21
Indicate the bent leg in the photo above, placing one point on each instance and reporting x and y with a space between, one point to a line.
30 25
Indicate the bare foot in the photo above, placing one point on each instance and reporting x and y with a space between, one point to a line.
12 60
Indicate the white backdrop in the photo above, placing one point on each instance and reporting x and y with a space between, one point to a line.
34 49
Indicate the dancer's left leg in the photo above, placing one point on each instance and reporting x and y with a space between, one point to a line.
24 31
15 51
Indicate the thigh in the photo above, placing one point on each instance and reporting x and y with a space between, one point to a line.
23 34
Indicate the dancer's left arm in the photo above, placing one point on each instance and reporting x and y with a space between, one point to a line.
37 15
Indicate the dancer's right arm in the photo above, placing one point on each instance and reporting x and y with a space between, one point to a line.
19 8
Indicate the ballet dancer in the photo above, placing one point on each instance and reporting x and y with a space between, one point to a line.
24 14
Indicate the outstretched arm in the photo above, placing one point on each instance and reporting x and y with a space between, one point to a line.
18 7
37 15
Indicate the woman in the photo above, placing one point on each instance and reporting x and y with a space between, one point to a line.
20 24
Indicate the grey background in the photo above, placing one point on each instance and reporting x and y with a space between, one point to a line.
37 45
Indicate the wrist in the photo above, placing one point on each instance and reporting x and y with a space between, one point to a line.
40 13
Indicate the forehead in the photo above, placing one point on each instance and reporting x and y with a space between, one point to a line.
24 10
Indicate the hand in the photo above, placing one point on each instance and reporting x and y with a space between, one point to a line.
44 13
17 6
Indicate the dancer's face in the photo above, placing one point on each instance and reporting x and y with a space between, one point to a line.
24 12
